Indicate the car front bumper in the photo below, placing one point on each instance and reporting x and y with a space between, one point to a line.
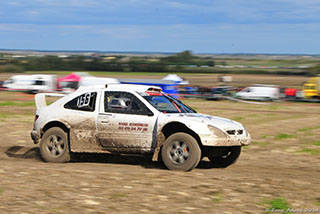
229 141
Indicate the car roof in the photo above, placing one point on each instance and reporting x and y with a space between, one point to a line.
122 87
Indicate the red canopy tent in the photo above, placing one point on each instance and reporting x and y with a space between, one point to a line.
69 81
70 78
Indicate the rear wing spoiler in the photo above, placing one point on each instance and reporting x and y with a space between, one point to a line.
40 99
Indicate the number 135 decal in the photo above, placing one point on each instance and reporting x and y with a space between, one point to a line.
84 100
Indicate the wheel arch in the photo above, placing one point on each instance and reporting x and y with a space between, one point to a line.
64 126
174 127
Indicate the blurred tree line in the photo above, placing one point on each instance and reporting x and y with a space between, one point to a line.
104 63
315 70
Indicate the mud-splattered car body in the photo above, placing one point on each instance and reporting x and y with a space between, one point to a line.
97 120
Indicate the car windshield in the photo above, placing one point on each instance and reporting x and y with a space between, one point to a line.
167 104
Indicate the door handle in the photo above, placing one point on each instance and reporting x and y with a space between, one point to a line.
105 121
105 114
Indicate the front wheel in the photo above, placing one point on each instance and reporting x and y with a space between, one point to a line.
181 152
230 156
54 146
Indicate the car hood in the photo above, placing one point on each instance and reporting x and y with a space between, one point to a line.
219 122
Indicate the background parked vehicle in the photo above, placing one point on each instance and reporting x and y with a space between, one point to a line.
290 93
260 93
31 83
217 93
18 83
42 83
311 89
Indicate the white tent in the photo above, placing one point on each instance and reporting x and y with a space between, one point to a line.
176 78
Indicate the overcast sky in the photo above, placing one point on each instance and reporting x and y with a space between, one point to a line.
203 26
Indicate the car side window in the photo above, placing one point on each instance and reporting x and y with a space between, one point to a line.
39 82
125 103
84 102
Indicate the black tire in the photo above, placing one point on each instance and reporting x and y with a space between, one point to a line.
181 152
230 157
33 91
54 146
268 99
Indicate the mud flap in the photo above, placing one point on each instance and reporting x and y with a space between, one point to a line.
160 140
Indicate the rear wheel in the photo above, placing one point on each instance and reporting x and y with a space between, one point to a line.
54 146
181 152
230 156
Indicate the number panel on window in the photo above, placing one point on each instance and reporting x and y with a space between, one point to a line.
84 102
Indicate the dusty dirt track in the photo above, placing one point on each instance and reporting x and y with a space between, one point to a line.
283 161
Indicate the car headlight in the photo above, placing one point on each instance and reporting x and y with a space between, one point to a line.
247 133
217 132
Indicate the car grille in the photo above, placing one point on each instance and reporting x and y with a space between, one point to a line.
235 132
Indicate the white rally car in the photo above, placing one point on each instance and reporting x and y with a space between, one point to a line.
131 119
